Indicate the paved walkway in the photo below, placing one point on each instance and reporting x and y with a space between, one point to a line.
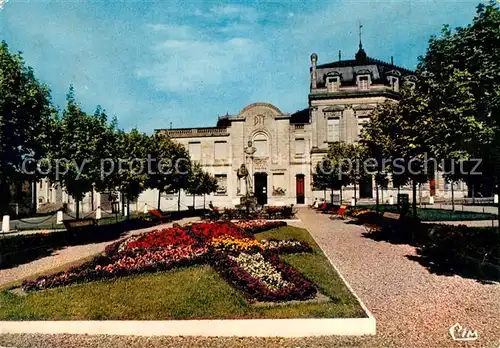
67 255
413 308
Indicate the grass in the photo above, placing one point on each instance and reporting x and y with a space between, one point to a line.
196 292
433 214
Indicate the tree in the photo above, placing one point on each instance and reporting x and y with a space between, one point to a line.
332 172
75 164
172 168
131 175
459 81
200 183
26 116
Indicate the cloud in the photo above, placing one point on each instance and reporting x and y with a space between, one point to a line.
231 11
173 30
194 65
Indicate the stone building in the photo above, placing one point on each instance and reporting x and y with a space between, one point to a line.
288 145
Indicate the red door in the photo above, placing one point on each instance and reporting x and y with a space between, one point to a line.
299 187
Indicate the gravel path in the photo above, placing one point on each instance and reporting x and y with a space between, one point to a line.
66 255
413 307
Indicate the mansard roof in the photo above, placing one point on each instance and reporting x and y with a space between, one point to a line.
348 69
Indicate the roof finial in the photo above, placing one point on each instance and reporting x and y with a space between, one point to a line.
340 55
360 44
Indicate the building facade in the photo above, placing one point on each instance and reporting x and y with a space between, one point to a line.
287 146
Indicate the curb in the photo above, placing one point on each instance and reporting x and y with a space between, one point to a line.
206 328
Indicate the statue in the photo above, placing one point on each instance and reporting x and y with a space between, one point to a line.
242 174
249 152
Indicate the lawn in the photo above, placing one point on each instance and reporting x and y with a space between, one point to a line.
432 214
195 292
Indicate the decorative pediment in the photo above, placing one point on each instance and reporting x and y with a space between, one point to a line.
333 73
393 73
358 107
411 78
334 108
363 72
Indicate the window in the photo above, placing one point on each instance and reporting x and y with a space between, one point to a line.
194 149
394 82
300 146
260 144
221 184
220 150
333 129
361 123
363 82
332 84
41 184
279 184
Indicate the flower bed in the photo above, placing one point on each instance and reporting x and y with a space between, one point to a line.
120 265
264 277
256 226
251 265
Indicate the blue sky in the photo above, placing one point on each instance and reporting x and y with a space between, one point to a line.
155 62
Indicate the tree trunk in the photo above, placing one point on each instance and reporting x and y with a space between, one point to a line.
34 188
420 195
128 208
77 209
92 199
204 195
376 199
123 204
159 200
355 200
194 196
473 201
341 198
414 190
498 212
179 201
331 196
452 197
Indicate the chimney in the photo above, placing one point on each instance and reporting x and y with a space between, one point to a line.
392 60
170 125
314 59
340 55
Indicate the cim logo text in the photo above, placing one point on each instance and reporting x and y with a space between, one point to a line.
460 333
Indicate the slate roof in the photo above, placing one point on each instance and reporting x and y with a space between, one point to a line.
347 69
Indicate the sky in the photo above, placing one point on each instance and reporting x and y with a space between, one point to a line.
152 63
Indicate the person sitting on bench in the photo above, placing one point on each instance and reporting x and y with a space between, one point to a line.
214 212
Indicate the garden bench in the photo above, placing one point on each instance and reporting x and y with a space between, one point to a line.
75 224
159 215
341 212
392 216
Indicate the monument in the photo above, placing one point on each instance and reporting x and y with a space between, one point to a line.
248 199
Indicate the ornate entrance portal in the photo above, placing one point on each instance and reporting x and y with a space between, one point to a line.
260 184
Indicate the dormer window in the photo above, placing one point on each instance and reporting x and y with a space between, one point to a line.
394 82
410 81
363 82
332 83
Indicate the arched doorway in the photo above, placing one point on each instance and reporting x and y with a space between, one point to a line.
260 184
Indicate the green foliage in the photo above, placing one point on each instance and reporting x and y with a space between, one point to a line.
26 117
